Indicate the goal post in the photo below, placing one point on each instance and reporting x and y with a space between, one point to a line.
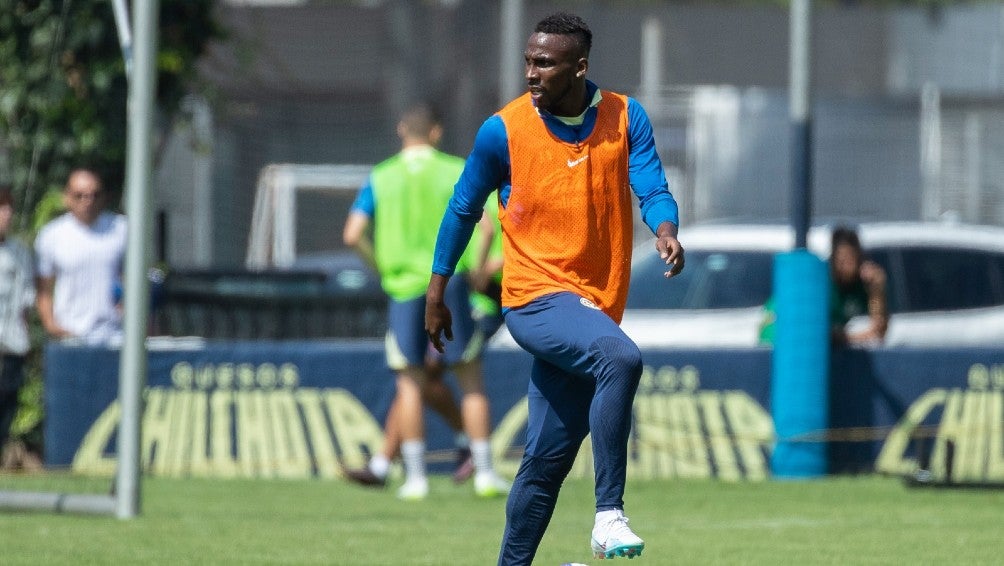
272 241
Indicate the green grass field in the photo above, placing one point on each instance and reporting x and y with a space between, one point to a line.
845 521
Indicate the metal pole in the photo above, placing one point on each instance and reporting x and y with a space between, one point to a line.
511 48
121 12
972 148
651 62
57 502
801 120
139 156
202 221
930 151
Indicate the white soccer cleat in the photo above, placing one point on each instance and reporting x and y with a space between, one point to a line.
489 484
614 538
413 490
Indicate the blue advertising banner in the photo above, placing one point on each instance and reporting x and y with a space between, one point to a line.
898 411
304 409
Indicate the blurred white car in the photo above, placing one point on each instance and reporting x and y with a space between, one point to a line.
945 284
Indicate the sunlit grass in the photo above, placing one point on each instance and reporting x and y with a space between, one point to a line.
860 520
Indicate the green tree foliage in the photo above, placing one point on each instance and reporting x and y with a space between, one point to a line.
63 92
63 88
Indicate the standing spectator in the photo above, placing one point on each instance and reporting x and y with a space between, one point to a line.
16 296
858 288
80 255
564 158
405 197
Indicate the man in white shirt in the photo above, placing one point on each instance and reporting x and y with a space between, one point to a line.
80 256
16 297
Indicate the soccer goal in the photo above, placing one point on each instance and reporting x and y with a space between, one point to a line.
292 203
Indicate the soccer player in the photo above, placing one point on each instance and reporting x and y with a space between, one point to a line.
564 157
402 200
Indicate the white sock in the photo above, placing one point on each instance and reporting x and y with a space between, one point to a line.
413 454
481 453
379 465
460 440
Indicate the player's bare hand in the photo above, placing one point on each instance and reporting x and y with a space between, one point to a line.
438 319
671 252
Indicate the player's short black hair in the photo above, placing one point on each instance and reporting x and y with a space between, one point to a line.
844 235
420 118
6 195
567 24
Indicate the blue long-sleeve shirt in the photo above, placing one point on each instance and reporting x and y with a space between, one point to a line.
488 168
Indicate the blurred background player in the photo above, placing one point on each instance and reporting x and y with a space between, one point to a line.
403 201
79 257
17 294
563 157
486 310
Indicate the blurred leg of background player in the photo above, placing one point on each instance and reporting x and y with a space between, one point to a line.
477 424
438 396
486 311
474 415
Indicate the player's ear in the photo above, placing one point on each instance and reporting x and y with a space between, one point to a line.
435 134
582 67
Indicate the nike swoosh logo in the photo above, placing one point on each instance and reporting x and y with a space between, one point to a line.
572 163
